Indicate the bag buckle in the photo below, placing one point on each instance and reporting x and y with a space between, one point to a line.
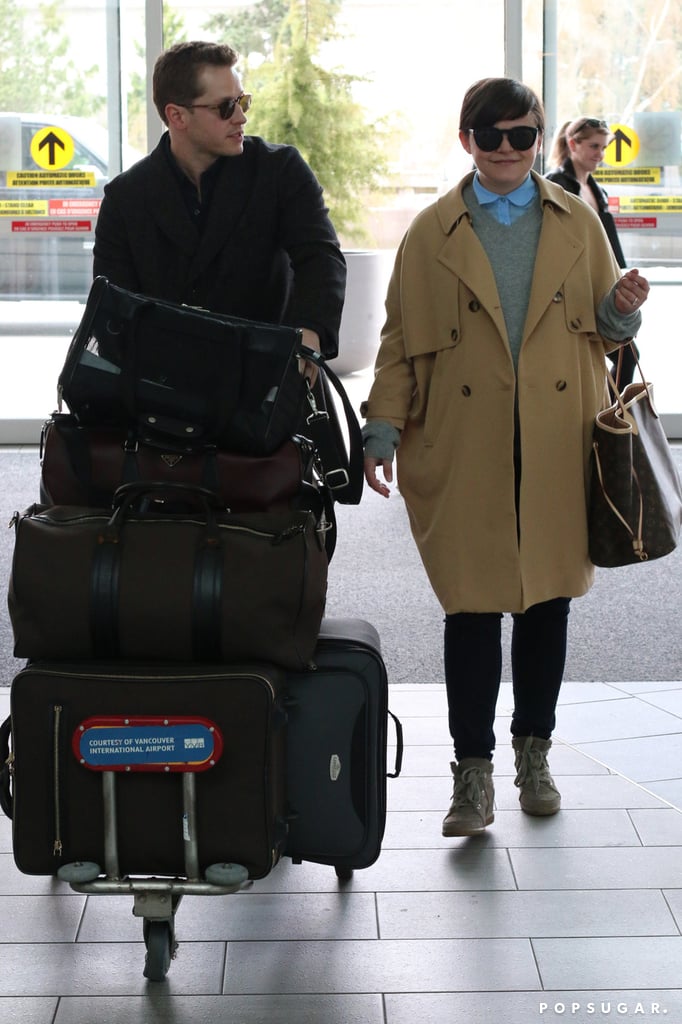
316 414
344 478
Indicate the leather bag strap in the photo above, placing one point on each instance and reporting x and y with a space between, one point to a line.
343 469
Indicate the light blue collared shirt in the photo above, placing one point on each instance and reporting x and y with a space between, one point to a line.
506 209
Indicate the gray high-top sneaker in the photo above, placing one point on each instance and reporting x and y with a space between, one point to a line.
472 798
538 794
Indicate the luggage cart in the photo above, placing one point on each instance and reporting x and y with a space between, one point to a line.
156 900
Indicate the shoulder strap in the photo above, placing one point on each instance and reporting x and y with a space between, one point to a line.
343 462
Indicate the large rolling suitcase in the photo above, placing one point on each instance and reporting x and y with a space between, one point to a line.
337 740
148 733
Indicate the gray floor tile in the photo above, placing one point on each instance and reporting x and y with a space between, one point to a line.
641 758
637 963
580 1007
427 760
28 1010
667 700
585 693
246 916
519 914
674 898
612 720
472 866
434 732
107 968
646 686
439 965
417 701
637 868
660 827
40 919
275 1009
422 829
435 760
426 732
583 792
669 790
5 834
13 882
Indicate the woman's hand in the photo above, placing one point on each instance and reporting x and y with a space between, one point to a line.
631 292
371 466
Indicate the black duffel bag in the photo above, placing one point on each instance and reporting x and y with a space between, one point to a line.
184 373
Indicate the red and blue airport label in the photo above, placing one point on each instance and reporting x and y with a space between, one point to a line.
147 744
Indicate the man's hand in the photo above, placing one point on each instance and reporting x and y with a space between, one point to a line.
311 340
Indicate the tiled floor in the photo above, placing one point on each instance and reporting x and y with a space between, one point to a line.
574 917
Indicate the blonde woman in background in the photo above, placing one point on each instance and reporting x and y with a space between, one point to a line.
578 149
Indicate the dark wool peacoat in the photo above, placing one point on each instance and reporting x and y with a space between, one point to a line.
268 250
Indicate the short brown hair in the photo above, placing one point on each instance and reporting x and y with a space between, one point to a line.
177 70
499 99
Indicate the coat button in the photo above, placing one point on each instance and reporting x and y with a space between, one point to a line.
575 324
560 385
474 306
454 334
558 297
466 390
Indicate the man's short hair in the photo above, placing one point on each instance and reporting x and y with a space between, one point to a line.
177 72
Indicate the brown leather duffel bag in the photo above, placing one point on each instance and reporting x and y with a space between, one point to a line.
202 585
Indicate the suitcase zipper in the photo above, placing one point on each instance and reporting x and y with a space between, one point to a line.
57 844
276 537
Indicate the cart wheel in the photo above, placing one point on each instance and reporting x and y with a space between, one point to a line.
79 871
344 874
161 945
226 874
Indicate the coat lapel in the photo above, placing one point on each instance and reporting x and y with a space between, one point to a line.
230 199
558 251
465 257
231 195
164 201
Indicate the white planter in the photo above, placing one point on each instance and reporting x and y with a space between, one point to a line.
369 271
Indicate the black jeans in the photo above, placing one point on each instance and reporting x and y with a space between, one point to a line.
473 666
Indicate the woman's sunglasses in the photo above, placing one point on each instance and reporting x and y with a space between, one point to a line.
489 139
225 108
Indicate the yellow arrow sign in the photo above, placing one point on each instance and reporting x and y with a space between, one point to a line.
52 148
623 147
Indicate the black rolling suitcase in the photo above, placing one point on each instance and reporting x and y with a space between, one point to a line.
148 732
337 737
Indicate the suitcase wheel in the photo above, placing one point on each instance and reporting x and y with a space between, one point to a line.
159 937
227 874
344 874
79 871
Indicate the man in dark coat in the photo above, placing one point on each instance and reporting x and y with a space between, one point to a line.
218 219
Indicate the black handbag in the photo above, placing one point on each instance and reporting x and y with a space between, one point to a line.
179 372
635 509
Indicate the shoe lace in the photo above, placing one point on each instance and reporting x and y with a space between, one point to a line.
468 788
533 767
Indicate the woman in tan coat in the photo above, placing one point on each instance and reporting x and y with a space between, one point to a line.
504 298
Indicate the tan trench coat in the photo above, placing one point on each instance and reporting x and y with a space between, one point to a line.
445 377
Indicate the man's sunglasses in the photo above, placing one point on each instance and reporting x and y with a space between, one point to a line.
225 108
490 139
